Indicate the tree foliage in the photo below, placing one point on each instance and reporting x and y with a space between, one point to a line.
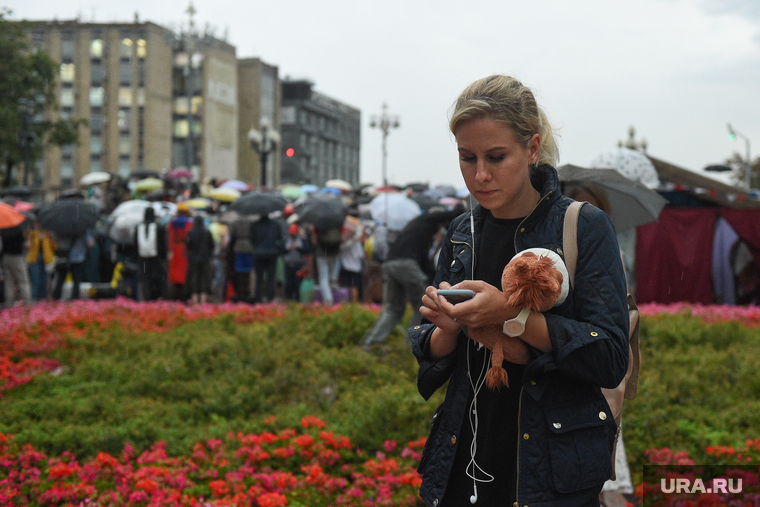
739 164
30 75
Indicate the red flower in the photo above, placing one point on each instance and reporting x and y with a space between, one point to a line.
272 500
219 488
311 421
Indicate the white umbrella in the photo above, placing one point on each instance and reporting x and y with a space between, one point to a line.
125 218
342 185
632 164
394 210
94 178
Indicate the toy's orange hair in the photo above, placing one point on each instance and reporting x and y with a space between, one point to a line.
532 281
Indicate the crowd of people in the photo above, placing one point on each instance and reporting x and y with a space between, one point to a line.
183 250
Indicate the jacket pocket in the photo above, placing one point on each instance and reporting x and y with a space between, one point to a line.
581 437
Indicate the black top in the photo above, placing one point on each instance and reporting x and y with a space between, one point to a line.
496 452
415 239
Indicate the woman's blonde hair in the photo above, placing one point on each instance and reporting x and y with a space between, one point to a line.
505 99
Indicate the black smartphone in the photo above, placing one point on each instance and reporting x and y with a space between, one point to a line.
455 296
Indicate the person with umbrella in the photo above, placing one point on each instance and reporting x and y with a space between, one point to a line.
150 238
41 259
16 273
548 437
200 250
177 231
70 256
267 238
407 271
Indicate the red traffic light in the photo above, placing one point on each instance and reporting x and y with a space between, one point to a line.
290 152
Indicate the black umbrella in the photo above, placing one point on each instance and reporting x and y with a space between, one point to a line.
631 203
258 203
323 211
68 217
424 200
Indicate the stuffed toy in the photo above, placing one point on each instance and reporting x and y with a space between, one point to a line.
535 279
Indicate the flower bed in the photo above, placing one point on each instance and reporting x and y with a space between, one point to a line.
305 466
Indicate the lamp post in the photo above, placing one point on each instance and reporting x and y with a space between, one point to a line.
189 39
748 173
384 123
264 141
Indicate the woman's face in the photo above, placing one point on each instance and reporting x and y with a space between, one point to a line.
496 168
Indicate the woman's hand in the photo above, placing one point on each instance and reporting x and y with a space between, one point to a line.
432 310
487 307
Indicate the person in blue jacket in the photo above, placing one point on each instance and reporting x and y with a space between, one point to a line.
547 439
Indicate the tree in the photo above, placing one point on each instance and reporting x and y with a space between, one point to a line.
739 165
27 77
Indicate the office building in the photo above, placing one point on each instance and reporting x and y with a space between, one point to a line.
320 136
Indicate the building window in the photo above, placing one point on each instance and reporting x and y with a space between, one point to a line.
96 120
96 145
125 145
181 128
142 48
125 48
95 164
67 173
125 72
38 40
125 167
125 97
125 120
96 73
140 97
97 95
67 72
96 46
66 113
67 47
67 97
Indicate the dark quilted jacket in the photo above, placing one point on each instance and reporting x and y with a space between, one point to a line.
566 428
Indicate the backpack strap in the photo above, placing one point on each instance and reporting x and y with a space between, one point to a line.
570 238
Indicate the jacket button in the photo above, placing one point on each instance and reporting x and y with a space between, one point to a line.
557 425
453 439
532 382
453 262
594 333
602 416
522 230
435 502
417 327
526 436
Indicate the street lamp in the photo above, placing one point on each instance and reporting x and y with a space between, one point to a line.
384 123
734 134
264 141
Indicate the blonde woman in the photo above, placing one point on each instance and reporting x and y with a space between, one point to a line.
546 439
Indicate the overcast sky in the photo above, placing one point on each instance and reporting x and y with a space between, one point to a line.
677 70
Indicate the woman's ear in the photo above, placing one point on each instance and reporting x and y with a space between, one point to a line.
534 147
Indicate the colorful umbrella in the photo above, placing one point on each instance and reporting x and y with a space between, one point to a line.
291 191
149 184
199 203
224 194
238 185
341 185
180 173
12 222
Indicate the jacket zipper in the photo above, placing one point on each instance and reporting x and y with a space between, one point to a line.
517 479
528 216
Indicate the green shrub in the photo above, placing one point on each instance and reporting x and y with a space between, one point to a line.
211 377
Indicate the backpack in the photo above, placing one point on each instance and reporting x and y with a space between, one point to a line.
627 388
